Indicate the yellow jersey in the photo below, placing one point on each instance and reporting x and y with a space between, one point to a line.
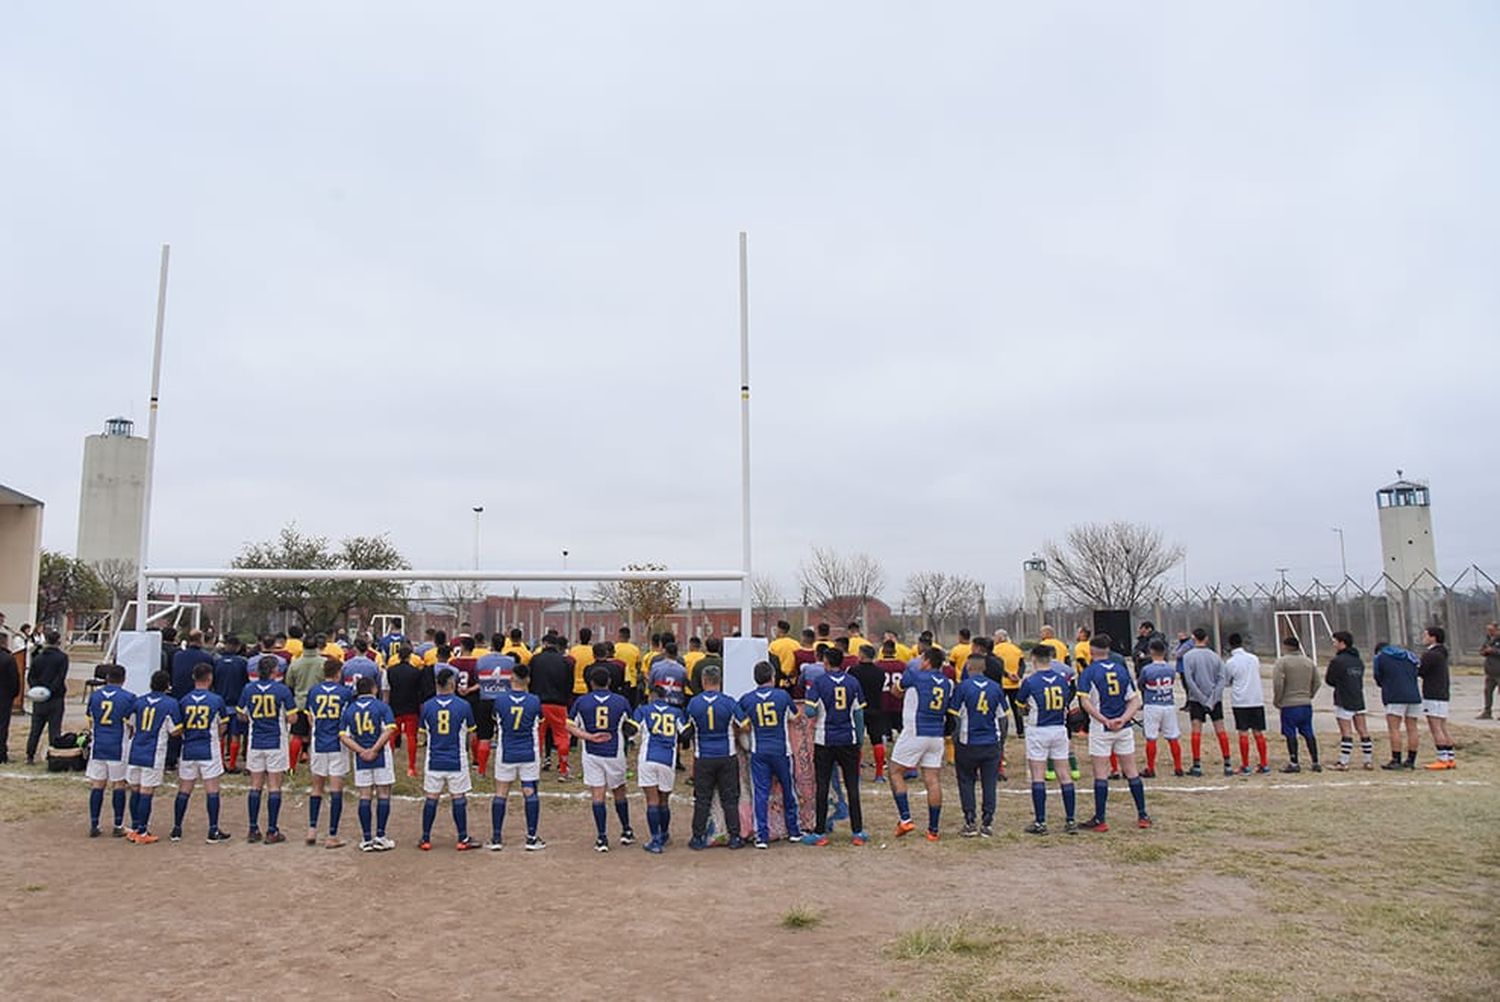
583 656
1059 649
1081 652
293 646
959 655
1011 656
333 650
518 652
783 655
629 655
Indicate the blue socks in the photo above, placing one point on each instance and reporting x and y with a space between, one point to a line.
429 815
335 811
601 818
533 813
96 804
665 813
118 803
213 811
1070 800
364 819
1138 793
314 808
142 812
903 806
135 809
180 806
1039 802
653 820
622 808
252 803
497 818
1101 797
461 816
273 810
382 815
933 813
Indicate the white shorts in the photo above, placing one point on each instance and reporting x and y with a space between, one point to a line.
655 774
606 772
144 776
1161 720
1435 708
1339 713
457 783
266 760
99 769
330 763
383 776
1105 742
917 753
514 772
1405 709
210 768
1046 743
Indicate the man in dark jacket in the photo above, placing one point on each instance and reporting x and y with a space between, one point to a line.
1346 677
10 687
183 663
410 684
552 683
48 669
1144 634
231 675
1395 670
1433 670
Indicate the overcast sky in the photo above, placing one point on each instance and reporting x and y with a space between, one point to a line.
1221 268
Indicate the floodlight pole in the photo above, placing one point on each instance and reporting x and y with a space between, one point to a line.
141 589
745 586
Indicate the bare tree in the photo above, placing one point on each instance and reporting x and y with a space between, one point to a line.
767 597
643 603
841 585
1110 565
119 577
461 597
940 598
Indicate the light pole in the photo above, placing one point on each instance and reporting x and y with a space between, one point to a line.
1343 560
478 511
572 599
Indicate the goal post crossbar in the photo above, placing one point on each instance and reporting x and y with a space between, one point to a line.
346 574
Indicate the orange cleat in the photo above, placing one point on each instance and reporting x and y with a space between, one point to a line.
146 839
905 828
932 836
1437 766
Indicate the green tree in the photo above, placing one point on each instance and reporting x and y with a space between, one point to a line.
67 585
645 603
315 604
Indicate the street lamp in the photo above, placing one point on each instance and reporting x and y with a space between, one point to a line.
478 510
1343 560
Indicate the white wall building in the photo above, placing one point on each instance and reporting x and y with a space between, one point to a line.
113 493
20 557
1406 545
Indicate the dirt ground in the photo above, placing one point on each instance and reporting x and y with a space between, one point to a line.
1365 885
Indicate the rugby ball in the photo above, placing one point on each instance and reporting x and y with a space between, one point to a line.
39 693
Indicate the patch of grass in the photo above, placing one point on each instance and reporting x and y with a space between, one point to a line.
800 917
1144 852
34 888
954 938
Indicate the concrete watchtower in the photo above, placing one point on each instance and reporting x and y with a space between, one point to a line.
1406 532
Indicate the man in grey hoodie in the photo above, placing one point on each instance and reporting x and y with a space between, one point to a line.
1204 676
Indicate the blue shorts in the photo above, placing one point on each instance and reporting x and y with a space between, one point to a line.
1297 720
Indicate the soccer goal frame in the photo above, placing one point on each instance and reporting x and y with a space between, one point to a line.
742 574
1308 635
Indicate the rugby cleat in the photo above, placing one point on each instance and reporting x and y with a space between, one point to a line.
466 844
601 845
859 838
761 843
175 835
697 842
118 831
986 831
627 837
146 838
274 838
383 844
215 837
905 827
254 836
367 845
1144 821
969 830
94 832
425 845
736 842
1036 828
813 838
1070 828
534 843
334 842
1095 825
932 836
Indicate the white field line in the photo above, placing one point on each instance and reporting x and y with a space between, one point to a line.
1015 789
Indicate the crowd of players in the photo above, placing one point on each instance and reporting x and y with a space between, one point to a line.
348 707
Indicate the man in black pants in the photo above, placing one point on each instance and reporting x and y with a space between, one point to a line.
50 669
715 765
836 702
10 687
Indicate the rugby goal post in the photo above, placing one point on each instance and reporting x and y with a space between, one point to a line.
742 575
1307 625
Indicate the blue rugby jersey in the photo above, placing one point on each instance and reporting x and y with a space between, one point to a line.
517 720
712 713
365 720
326 702
447 721
1048 691
837 695
266 705
108 708
202 709
660 723
1158 684
603 712
769 711
925 693
979 705
1110 686
155 716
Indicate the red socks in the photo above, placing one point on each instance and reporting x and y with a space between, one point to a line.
1197 746
295 756
1223 744
1150 755
482 756
879 760
234 753
1260 749
1176 747
1244 749
1114 763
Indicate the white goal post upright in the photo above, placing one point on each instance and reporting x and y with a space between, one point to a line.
742 575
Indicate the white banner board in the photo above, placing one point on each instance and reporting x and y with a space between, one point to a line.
140 653
740 657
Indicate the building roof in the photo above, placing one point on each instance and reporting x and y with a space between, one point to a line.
9 495
1404 485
